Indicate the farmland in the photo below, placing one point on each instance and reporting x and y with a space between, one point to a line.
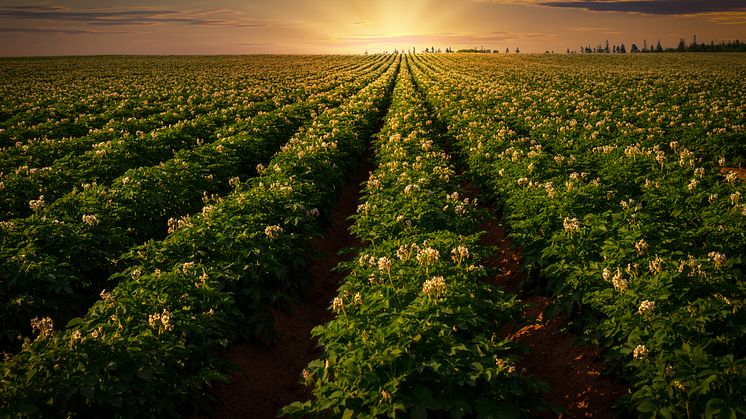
156 212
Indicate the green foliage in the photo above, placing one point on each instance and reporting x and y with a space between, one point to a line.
148 347
415 333
625 217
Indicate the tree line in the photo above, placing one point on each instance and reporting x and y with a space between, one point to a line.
694 46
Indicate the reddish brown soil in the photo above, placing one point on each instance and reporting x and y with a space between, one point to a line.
266 378
572 371
508 259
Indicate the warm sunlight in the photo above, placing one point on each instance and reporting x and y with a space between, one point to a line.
356 26
372 209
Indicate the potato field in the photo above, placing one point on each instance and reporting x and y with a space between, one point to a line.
165 222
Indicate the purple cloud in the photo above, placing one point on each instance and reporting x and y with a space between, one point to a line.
654 7
113 17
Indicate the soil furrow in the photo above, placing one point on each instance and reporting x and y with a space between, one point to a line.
266 377
572 371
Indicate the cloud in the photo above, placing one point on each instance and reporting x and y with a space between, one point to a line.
54 31
129 17
726 18
653 7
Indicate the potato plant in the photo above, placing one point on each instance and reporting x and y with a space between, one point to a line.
147 347
416 327
638 237
67 249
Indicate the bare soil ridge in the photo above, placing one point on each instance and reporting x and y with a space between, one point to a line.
267 378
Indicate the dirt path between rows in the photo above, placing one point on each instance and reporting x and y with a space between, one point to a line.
266 378
572 371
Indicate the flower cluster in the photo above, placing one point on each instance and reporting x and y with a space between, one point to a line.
717 258
617 279
646 308
36 204
273 231
571 225
459 254
90 219
44 325
161 322
434 287
641 247
640 352
427 256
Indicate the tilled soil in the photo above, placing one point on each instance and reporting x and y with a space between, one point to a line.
267 378
572 371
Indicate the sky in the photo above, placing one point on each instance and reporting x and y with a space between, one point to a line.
92 27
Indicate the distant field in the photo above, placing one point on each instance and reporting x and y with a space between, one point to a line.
155 210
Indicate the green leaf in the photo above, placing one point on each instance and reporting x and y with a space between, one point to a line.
647 407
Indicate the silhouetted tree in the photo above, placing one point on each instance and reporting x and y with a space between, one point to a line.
622 49
633 49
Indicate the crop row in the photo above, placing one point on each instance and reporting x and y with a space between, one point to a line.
62 97
54 262
640 239
147 347
161 111
43 152
415 332
621 101
109 159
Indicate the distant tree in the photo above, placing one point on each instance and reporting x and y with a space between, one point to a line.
622 49
633 49
517 50
507 50
682 45
568 50
658 47
606 48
